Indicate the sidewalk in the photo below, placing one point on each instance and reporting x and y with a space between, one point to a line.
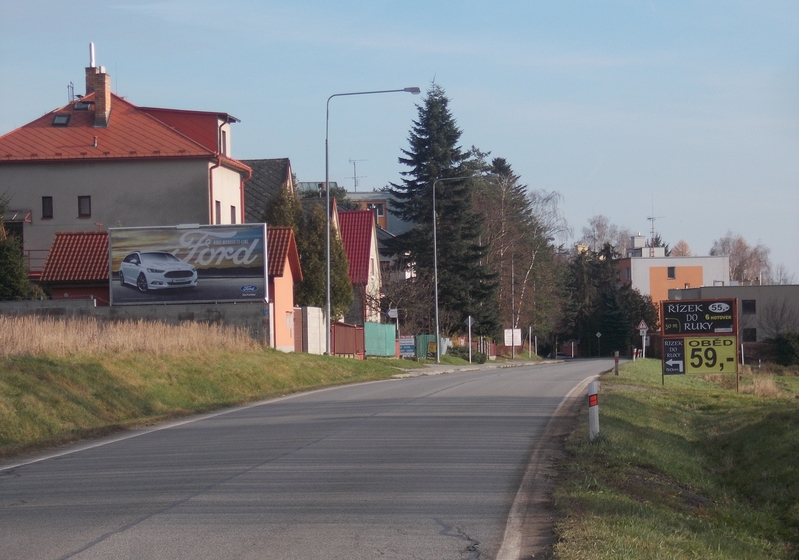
438 369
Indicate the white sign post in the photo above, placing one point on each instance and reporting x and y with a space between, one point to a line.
642 330
469 322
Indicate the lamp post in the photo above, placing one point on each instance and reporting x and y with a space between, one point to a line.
412 90
435 259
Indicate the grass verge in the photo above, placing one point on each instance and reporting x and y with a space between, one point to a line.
689 469
47 400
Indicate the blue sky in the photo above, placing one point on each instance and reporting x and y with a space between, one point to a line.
683 111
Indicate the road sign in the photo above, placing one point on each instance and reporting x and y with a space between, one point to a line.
642 326
392 313
698 317
673 356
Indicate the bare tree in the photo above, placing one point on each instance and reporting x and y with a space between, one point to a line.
781 276
778 317
601 231
747 264
680 249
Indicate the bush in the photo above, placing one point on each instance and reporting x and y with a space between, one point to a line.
462 352
787 348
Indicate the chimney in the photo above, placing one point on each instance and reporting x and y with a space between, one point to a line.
99 83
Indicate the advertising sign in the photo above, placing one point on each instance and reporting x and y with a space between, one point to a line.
698 317
407 346
711 354
673 356
188 264
513 337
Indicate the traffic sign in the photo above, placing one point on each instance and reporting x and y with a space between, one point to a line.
642 326
673 356
699 317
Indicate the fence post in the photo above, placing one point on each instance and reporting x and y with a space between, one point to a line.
616 366
593 410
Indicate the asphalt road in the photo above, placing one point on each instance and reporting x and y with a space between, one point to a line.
425 467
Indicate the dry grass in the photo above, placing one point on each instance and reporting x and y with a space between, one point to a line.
31 336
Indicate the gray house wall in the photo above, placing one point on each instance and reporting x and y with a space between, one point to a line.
135 193
772 309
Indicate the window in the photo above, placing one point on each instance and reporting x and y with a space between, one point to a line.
627 274
223 147
377 207
84 207
749 335
61 120
47 207
672 272
232 214
218 213
748 306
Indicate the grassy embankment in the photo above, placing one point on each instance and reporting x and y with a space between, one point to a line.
689 469
66 380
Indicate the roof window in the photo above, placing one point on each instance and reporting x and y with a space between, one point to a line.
61 120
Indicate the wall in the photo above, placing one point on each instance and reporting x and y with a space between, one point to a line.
144 193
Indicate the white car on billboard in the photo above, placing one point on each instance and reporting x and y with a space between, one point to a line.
156 270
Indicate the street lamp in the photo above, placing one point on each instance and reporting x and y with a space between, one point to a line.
435 259
412 90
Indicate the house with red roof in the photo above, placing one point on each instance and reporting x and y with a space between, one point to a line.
77 266
101 161
359 235
284 272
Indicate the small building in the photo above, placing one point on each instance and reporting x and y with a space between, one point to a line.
763 311
284 272
101 161
359 235
77 267
655 275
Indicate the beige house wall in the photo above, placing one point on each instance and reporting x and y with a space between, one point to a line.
123 194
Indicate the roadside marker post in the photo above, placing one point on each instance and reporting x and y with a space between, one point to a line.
593 410
616 365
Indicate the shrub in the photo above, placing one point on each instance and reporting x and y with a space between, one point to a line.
462 352
787 348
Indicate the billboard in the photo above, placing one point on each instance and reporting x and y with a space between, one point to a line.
187 264
697 317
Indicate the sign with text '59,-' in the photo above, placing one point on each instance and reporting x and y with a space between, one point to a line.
699 317
700 354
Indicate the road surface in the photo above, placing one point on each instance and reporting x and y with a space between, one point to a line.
425 467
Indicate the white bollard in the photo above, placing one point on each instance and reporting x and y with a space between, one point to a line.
593 410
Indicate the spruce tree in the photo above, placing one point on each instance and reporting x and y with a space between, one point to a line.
13 276
466 287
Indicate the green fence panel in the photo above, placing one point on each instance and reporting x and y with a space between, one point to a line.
422 341
381 340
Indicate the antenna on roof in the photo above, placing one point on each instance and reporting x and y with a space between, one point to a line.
355 176
71 92
91 55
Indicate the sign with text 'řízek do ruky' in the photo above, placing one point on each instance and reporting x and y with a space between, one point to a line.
699 317
700 336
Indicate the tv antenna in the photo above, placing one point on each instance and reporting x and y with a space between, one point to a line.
355 175
652 235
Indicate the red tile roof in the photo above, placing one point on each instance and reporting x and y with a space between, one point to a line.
357 229
77 256
280 246
132 133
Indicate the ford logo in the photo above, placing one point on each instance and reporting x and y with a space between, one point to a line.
249 289
718 307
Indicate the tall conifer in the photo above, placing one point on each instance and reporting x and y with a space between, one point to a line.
465 285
